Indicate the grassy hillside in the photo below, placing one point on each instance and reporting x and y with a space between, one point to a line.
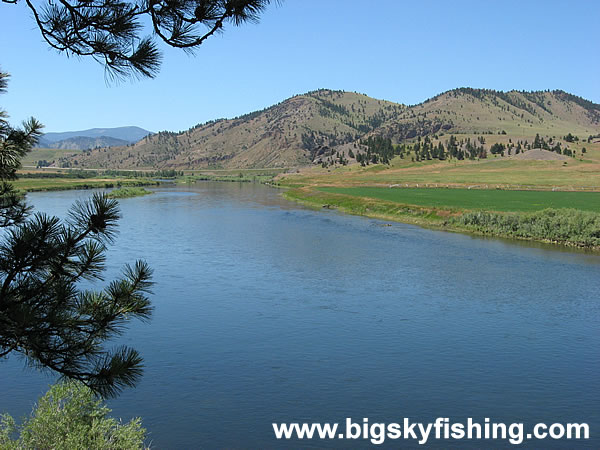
51 155
493 172
490 162
291 133
85 143
329 127
482 111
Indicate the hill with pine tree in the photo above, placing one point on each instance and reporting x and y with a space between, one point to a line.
325 125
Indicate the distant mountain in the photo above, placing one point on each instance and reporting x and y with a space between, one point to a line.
95 137
305 128
130 134
84 143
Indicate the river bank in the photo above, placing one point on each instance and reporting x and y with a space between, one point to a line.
66 184
560 226
567 227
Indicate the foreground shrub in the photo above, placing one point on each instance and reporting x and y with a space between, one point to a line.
70 417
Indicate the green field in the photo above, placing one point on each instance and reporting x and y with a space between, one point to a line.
477 199
61 184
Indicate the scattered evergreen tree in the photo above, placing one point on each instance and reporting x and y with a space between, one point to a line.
497 149
379 149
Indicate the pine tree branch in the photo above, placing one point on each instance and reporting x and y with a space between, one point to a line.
109 30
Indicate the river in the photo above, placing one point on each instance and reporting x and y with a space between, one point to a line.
267 312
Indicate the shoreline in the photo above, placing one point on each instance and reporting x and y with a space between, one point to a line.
430 218
80 185
439 219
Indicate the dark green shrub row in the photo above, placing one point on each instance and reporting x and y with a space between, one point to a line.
569 226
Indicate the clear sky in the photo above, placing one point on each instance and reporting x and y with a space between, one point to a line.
403 51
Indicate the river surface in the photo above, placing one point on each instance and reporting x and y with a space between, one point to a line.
267 312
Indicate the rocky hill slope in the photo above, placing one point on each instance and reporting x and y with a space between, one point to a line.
302 129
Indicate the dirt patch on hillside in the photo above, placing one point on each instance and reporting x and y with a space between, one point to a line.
541 155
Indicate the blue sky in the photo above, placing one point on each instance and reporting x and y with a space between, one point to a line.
396 50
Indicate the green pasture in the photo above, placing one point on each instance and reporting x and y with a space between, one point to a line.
60 184
476 199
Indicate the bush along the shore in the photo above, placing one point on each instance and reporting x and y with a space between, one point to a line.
565 226
69 417
127 192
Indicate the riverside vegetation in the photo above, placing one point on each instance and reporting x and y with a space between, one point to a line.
70 416
65 179
566 226
128 192
59 180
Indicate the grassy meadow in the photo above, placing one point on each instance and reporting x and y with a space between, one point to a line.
543 200
477 199
60 180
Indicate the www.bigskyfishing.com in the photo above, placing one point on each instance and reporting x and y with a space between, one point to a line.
422 432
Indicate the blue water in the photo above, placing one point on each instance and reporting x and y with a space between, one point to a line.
267 312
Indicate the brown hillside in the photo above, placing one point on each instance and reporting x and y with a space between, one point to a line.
291 133
305 128
482 111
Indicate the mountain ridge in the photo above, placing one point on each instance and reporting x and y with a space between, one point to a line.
304 128
93 137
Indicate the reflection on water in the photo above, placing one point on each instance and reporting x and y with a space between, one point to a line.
267 312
